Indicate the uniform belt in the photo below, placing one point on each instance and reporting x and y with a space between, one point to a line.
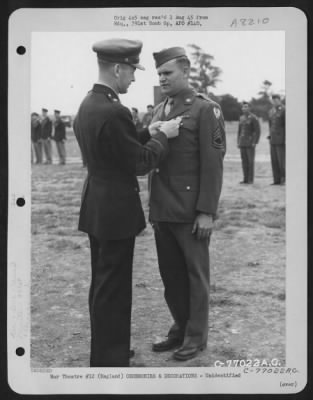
113 175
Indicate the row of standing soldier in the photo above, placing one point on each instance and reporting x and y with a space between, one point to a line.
249 135
42 134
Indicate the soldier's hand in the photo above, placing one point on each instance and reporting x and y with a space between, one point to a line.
203 226
154 127
171 127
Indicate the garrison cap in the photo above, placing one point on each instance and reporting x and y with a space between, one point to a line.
166 55
122 51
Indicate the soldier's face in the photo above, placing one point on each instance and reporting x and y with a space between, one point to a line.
245 108
276 102
172 78
126 76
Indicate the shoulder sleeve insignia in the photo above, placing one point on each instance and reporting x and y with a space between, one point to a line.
217 112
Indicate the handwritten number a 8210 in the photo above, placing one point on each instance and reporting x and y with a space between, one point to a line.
248 22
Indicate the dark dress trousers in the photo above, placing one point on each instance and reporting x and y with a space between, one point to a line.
111 213
186 183
278 143
248 138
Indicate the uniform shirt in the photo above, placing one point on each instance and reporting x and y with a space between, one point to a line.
46 128
189 180
277 117
248 131
59 131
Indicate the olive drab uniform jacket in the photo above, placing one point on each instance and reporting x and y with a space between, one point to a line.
111 207
248 131
59 131
46 128
277 125
189 180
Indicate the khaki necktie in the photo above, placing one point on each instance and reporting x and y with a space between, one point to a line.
168 106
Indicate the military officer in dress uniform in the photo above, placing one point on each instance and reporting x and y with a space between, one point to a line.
111 212
185 191
46 134
277 139
248 137
60 136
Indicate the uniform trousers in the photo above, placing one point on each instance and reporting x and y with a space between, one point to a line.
247 158
38 151
61 151
184 269
110 300
278 162
47 150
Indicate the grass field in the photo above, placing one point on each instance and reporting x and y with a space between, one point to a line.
247 303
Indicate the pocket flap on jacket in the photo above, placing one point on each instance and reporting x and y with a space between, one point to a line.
185 183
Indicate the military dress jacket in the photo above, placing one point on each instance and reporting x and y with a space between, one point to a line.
277 122
189 180
59 131
111 207
46 128
35 131
248 131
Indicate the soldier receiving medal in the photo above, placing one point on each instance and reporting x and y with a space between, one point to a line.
185 191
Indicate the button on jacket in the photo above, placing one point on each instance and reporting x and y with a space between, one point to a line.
111 207
189 180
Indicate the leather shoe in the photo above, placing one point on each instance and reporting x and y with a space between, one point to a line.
131 353
166 345
185 353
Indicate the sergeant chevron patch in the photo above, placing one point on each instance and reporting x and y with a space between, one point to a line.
217 139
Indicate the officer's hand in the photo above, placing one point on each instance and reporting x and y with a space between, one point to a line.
171 127
154 127
203 226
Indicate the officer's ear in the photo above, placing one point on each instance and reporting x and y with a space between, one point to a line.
117 70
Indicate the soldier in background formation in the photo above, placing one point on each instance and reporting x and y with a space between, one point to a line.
59 136
46 134
146 120
247 139
277 140
41 135
136 119
36 139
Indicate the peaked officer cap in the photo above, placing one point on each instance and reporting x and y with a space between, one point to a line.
168 54
122 51
57 111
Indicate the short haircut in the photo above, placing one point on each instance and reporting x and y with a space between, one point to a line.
183 62
34 114
135 109
245 103
149 106
276 96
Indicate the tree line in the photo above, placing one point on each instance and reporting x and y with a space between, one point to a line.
205 75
